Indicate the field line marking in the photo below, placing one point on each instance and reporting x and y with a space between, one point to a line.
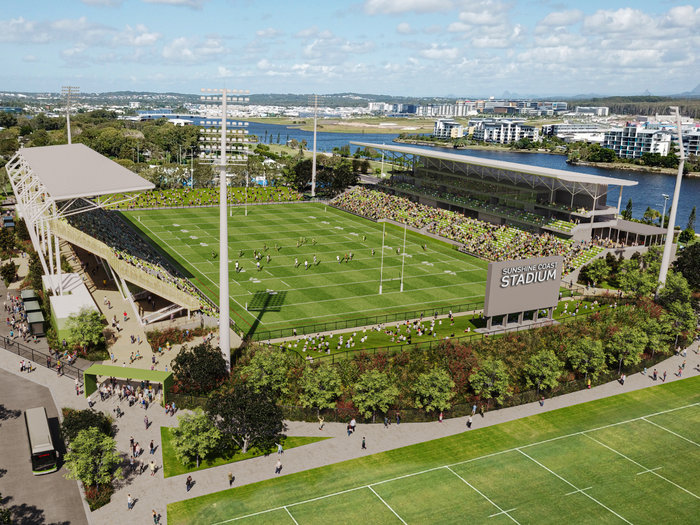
387 505
573 486
501 511
642 466
648 470
285 283
290 515
577 491
518 449
671 432
268 273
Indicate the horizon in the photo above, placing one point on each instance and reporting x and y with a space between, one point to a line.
411 48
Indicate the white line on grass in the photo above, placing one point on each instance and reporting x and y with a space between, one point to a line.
268 273
577 491
290 515
640 465
671 432
486 456
387 505
501 511
574 487
648 470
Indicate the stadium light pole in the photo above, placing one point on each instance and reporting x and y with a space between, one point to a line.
68 92
223 159
403 259
314 100
663 215
381 267
666 259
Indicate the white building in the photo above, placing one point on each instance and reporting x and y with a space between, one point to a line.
691 142
632 141
598 111
503 131
447 128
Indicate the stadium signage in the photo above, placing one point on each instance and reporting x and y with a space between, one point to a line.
523 285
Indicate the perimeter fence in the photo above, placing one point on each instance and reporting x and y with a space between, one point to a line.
41 358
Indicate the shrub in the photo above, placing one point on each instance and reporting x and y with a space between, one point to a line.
76 420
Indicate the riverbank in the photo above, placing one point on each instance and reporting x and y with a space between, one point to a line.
633 167
479 147
372 125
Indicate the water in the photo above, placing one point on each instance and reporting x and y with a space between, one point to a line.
647 193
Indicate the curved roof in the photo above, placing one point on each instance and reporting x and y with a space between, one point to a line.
564 175
72 171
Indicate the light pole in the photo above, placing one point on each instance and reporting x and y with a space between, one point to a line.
68 92
666 259
224 157
314 100
663 215
381 267
403 259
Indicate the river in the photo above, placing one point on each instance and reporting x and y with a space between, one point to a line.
647 193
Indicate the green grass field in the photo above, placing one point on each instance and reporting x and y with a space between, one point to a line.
327 291
631 458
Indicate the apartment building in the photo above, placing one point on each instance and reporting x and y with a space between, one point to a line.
598 111
447 128
503 131
632 141
691 142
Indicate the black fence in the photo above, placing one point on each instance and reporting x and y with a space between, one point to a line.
188 402
427 311
40 358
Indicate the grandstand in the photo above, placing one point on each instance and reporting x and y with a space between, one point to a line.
541 200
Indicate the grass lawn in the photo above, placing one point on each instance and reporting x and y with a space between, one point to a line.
628 458
172 466
282 296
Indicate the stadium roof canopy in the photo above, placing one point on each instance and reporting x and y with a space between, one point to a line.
73 171
562 175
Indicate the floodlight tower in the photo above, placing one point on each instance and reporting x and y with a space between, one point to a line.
222 151
666 259
314 100
68 93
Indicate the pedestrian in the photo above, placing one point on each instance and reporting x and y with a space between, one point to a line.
155 518
680 371
474 410
645 371
131 463
349 429
542 401
589 383
386 422
655 374
398 419
230 478
320 421
469 422
481 410
153 448
125 317
363 444
278 466
353 423
89 401
440 418
152 466
129 502
664 376
280 450
188 483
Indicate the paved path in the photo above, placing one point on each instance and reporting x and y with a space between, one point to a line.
154 493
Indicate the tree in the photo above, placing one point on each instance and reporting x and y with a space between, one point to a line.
434 390
203 174
92 458
686 236
688 263
625 346
650 215
596 271
491 380
8 271
5 515
85 327
627 213
267 369
321 385
632 279
246 417
200 368
586 355
675 297
691 220
543 370
194 437
76 421
374 390
343 177
21 230
7 119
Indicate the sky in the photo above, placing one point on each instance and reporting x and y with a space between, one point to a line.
462 48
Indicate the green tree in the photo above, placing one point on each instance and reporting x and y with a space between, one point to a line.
688 263
686 236
8 272
434 390
203 174
632 279
267 369
374 390
76 421
650 215
543 370
625 346
627 212
246 417
93 458
194 437
321 385
21 230
586 356
691 220
343 177
5 515
675 296
85 327
597 271
491 380
7 119
200 368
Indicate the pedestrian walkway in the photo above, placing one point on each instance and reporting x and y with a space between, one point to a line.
155 492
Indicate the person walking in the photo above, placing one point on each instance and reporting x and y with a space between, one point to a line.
680 371
155 518
474 410
655 374
386 422
664 376
398 419
188 483
153 448
353 424
280 450
145 420
129 502
230 478
320 422
363 444
440 418
152 466
278 466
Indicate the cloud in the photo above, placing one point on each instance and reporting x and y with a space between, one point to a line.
30 58
436 52
626 20
405 29
223 72
269 33
433 29
683 16
138 36
194 4
393 7
313 32
193 51
562 18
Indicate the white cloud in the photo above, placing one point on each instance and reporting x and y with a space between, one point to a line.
682 16
436 52
269 33
193 51
223 72
405 29
313 32
562 18
626 20
194 4
30 58
393 7
138 36
433 29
